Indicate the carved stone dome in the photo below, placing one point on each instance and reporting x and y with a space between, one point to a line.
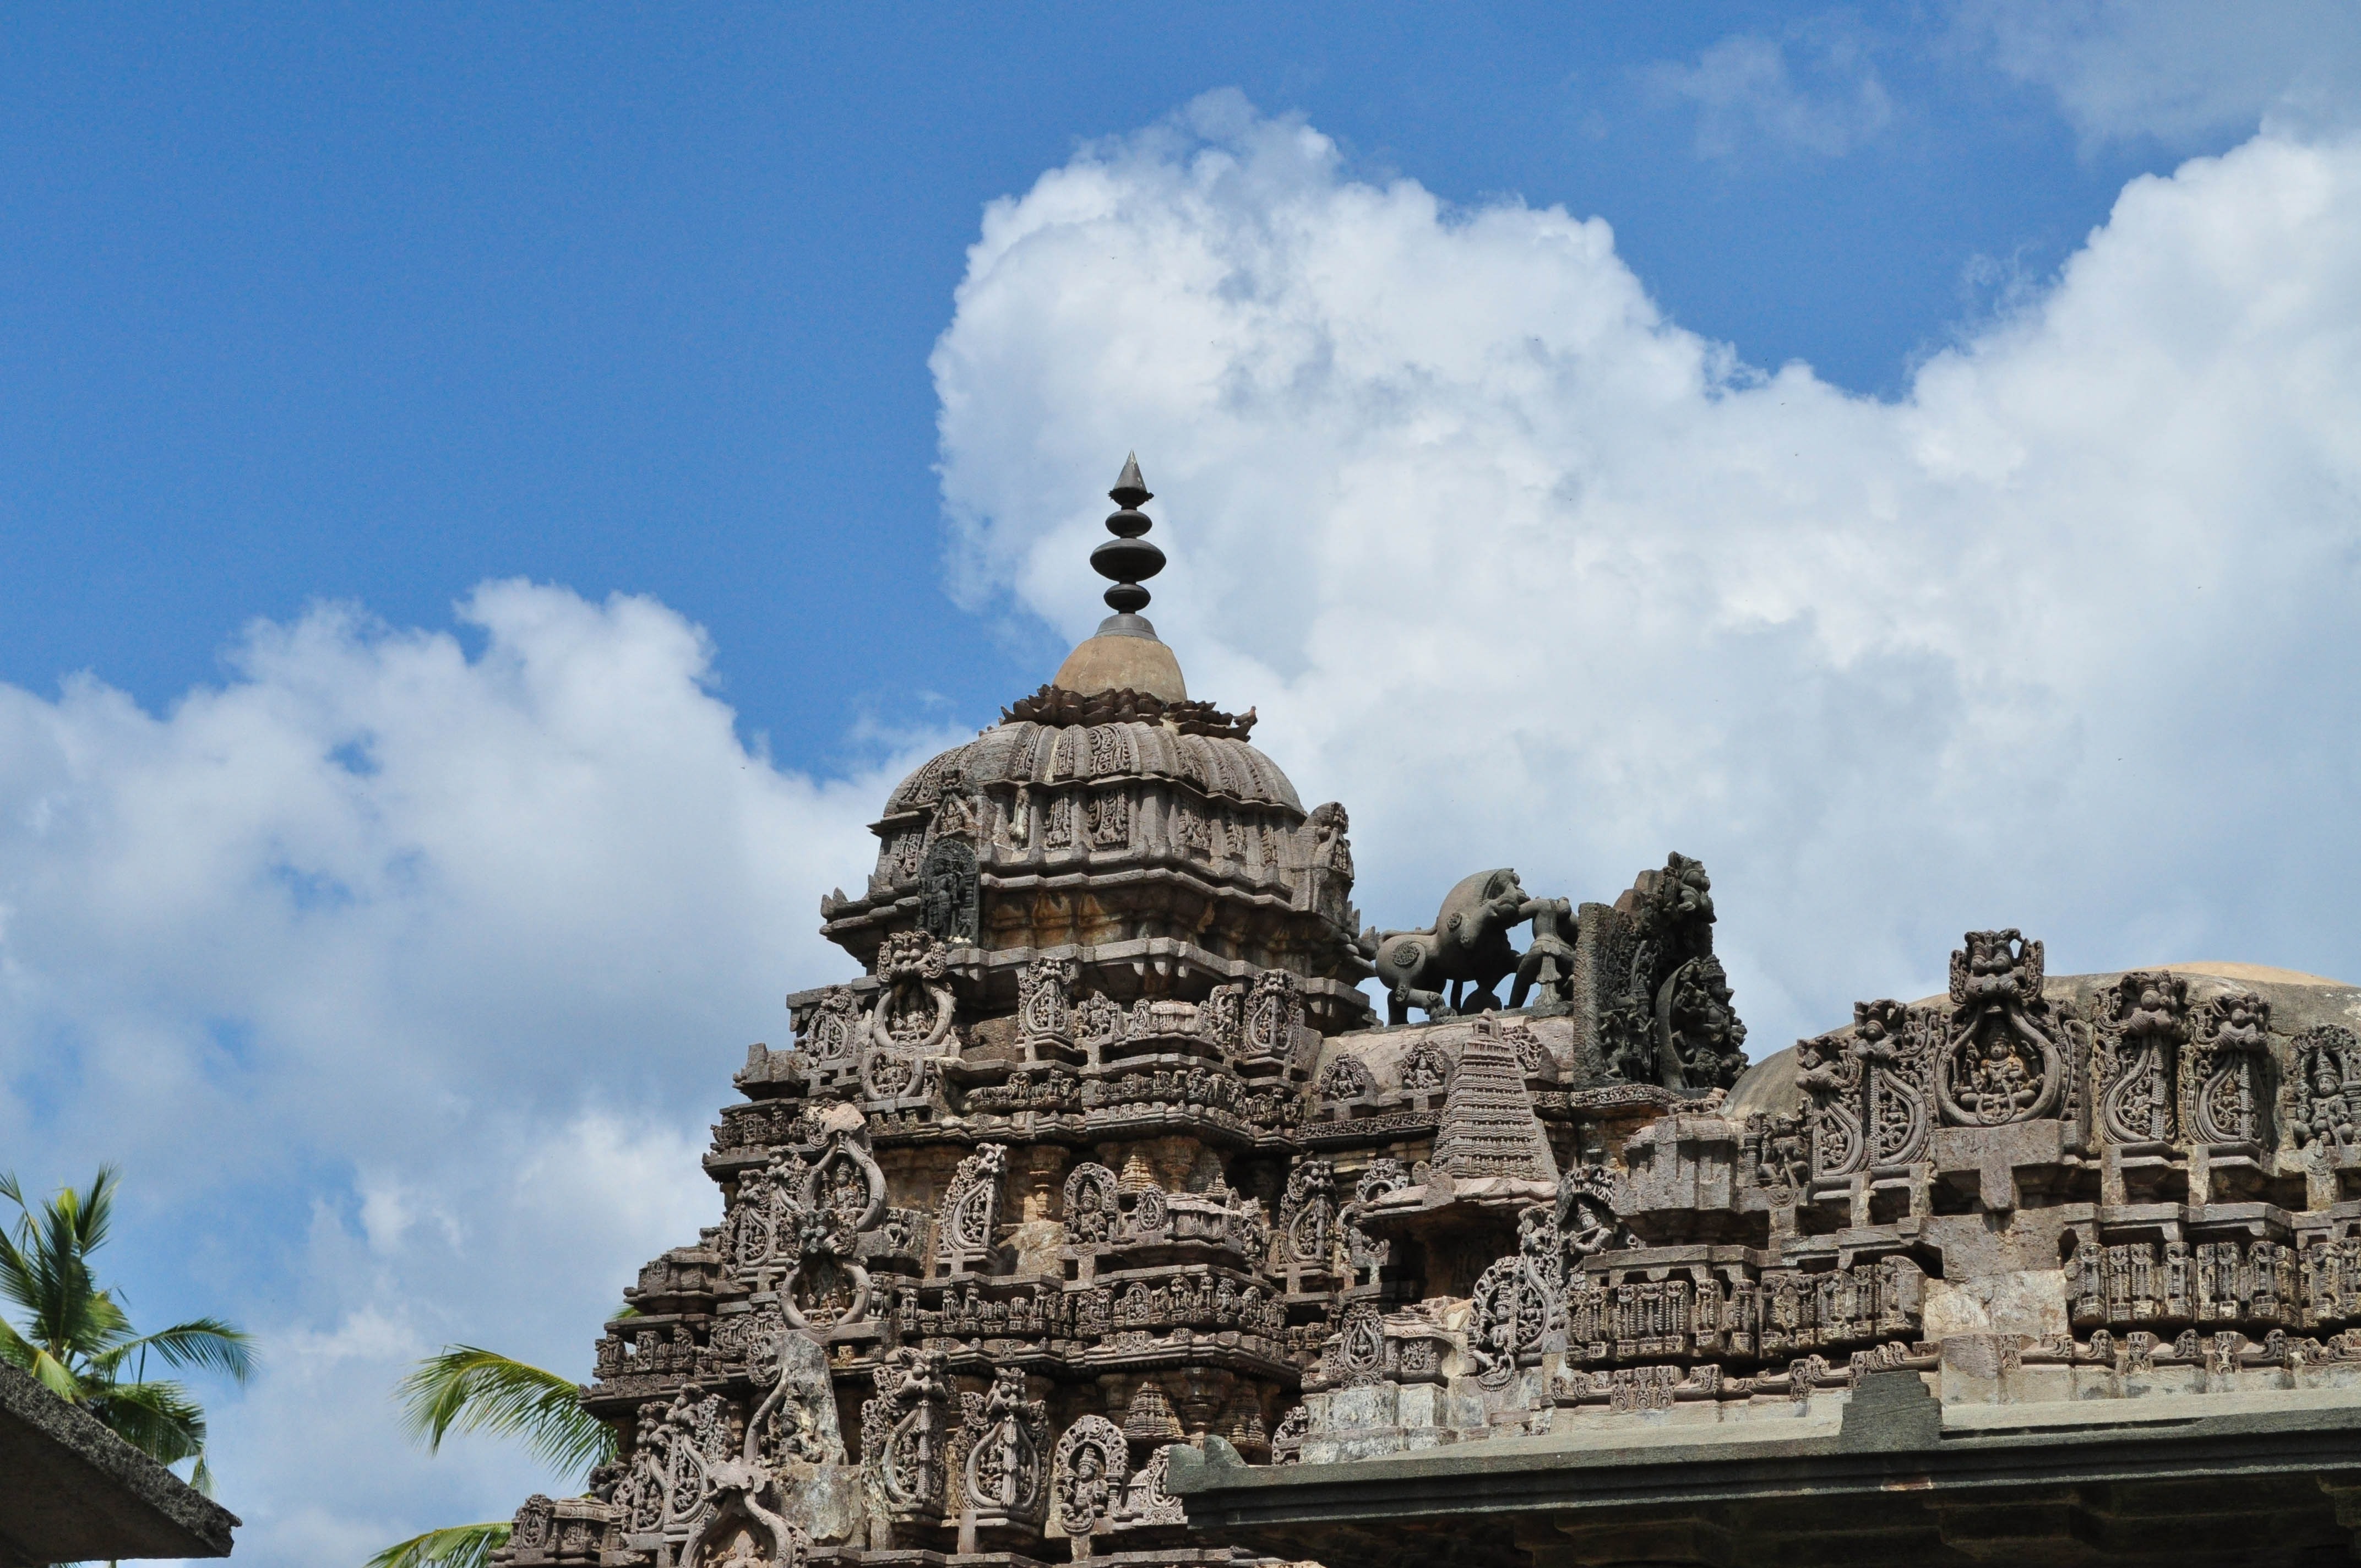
1166 853
1214 768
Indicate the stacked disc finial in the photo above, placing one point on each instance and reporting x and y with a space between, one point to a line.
1127 559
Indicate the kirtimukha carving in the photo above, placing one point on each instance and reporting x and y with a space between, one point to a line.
1095 1148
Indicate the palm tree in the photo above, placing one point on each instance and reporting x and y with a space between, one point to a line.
75 1338
467 1389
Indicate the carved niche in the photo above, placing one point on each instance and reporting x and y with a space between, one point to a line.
1274 1010
950 892
799 1220
832 1034
1518 1308
2003 1058
2326 1096
905 1434
2136 1048
1090 1210
1092 1467
2223 1093
1045 1008
1425 1068
914 1004
1004 1468
1871 1094
971 1210
1345 1083
1305 1238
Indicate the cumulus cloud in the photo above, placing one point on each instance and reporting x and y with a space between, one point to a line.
2178 70
2060 638
1747 95
404 980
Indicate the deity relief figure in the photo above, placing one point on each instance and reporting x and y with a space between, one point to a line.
949 892
1092 1467
2328 1078
2001 1061
1586 1221
1700 1043
1425 1068
1089 1208
1784 1162
1307 1212
914 1004
1329 886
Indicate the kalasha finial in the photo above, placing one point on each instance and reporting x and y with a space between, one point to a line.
1126 559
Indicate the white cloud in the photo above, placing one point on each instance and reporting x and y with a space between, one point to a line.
2178 70
1747 96
2062 637
403 982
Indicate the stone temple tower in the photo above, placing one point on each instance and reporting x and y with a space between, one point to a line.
1100 1150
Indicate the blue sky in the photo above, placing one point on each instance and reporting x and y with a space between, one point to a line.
492 499
338 303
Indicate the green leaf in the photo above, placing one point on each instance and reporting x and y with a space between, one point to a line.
457 1546
467 1389
158 1418
201 1342
73 1335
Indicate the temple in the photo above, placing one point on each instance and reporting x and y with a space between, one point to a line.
1132 1205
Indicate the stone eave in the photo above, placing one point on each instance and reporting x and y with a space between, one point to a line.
72 1491
1895 1477
1079 873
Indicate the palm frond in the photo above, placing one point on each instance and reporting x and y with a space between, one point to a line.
45 1268
457 1546
467 1389
158 1418
200 1341
14 1348
58 1377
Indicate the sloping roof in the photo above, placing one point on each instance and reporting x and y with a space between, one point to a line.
71 1491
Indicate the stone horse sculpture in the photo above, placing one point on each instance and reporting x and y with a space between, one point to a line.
1458 961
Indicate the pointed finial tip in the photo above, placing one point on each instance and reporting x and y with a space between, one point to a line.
1127 559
